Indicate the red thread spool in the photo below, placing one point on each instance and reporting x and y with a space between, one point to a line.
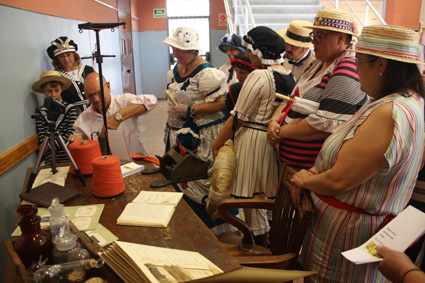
107 176
83 153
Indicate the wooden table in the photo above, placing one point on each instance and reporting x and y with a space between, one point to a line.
185 230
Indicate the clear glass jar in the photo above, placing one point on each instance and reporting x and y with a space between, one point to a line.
64 246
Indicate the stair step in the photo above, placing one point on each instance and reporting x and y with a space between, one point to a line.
279 18
286 2
283 9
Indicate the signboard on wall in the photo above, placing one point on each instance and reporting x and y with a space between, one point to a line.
159 13
222 19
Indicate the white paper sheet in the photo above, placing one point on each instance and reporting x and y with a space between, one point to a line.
398 235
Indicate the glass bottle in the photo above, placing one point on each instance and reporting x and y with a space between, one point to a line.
65 271
59 224
33 242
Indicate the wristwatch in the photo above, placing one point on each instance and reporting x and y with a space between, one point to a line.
118 117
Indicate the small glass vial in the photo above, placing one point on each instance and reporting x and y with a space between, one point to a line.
33 242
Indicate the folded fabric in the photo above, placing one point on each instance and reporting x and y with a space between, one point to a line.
152 159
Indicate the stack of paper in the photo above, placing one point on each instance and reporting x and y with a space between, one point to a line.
130 169
151 209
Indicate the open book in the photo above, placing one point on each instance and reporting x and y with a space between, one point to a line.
151 209
142 263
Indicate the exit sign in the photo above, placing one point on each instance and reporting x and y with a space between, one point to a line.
159 13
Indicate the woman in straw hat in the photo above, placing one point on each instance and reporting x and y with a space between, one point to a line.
200 82
331 81
256 174
366 170
63 52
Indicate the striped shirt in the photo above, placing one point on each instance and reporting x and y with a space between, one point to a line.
63 124
338 93
333 230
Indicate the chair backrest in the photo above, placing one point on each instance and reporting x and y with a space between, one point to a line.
290 221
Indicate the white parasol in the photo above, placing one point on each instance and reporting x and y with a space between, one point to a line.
301 105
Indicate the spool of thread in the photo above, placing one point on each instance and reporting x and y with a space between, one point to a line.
107 176
83 152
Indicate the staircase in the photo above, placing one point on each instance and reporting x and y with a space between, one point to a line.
276 14
245 14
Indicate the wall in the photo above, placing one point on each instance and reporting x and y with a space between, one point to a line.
399 13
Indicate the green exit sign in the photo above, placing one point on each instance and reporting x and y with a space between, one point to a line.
159 13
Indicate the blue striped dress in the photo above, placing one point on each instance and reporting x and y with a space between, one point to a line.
333 230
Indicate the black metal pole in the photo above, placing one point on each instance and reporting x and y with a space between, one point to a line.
102 94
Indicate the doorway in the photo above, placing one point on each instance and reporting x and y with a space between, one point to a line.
193 14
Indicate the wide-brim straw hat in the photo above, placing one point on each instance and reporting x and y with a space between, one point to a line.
334 20
296 34
390 42
51 76
184 38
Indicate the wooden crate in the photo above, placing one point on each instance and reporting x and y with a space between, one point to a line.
15 269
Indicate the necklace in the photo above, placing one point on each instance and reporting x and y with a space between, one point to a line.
185 66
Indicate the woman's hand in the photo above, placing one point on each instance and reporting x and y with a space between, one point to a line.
215 147
395 265
181 109
297 182
273 133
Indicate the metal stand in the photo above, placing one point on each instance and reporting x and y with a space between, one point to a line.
97 27
51 138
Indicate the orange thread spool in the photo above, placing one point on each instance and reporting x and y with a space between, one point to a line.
107 176
83 153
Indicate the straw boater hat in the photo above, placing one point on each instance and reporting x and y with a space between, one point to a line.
297 34
185 39
50 76
266 44
61 45
390 42
334 20
232 40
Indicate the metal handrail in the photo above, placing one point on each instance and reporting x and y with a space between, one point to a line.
368 5
375 12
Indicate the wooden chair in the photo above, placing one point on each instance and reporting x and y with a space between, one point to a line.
289 225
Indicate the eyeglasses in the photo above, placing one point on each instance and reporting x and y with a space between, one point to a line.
365 60
319 37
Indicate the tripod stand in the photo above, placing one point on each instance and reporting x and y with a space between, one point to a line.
50 105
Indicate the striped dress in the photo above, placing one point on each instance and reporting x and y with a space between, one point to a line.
337 90
63 124
256 164
333 230
256 173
